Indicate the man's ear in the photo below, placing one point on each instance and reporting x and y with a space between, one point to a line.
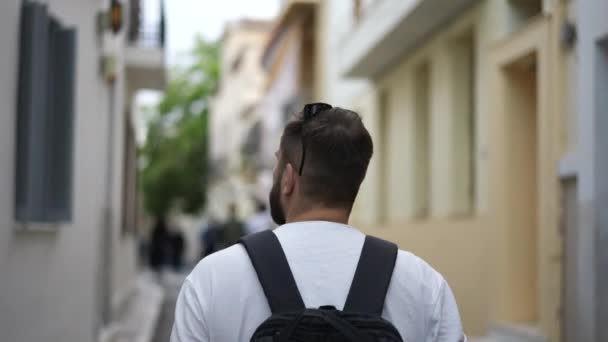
289 180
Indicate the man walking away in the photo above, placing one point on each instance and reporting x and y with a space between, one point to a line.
158 245
315 259
209 237
177 249
233 228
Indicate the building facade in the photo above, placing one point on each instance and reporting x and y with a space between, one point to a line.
234 133
290 60
585 188
68 265
468 104
486 118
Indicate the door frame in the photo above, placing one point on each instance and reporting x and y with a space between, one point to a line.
533 38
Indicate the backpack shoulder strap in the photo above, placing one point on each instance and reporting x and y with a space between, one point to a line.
372 276
273 271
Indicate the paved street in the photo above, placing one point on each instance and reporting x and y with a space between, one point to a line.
172 283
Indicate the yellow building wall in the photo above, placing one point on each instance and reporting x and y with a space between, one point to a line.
471 244
447 246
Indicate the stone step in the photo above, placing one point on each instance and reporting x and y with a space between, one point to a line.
510 332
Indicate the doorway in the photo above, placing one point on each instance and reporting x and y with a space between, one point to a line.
520 85
569 227
601 184
522 186
383 157
422 141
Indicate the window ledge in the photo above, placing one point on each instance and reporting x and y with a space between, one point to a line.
36 227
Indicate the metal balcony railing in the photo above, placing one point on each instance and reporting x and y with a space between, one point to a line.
147 23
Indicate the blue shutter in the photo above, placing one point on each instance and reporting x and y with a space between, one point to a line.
30 112
60 124
43 184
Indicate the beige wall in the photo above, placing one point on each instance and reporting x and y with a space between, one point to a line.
234 113
446 245
239 89
478 245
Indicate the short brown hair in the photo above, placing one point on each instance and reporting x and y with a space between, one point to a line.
338 149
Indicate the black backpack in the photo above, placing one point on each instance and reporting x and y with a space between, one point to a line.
291 321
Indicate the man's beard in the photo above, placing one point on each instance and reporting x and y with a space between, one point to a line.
276 210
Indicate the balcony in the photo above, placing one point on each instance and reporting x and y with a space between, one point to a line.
388 30
145 52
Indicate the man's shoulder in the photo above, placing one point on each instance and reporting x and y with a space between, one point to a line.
407 260
221 263
411 274
414 274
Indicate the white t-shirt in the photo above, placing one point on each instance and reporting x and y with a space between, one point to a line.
223 301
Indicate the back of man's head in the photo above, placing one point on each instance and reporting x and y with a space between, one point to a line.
330 150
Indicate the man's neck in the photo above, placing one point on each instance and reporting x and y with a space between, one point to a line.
320 214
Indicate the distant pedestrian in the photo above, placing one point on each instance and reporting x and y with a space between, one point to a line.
209 237
177 247
233 229
259 221
158 245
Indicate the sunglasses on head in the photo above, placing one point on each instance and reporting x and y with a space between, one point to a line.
310 111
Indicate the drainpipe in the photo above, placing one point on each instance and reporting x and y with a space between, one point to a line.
108 212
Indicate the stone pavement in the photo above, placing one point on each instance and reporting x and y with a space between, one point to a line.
137 322
172 283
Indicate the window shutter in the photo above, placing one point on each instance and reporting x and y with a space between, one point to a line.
43 184
30 112
60 124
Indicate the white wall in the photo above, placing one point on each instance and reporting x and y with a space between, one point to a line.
592 164
123 245
284 88
335 22
50 281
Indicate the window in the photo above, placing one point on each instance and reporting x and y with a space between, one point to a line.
526 8
238 60
129 179
422 141
357 10
251 152
290 108
601 81
252 144
360 7
521 11
464 130
382 153
44 118
308 52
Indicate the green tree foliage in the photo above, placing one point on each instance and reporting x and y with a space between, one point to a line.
174 157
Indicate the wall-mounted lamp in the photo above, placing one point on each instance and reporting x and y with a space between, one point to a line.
109 70
116 16
567 34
